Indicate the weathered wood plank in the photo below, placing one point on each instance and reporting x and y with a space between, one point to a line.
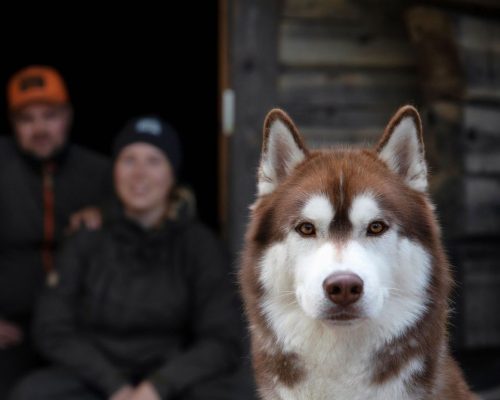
366 10
478 43
369 26
481 282
477 33
332 117
303 44
464 5
473 4
482 140
484 119
338 9
382 89
482 206
324 137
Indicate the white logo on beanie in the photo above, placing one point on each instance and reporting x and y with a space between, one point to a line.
151 126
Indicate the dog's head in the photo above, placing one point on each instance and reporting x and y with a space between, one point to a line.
344 235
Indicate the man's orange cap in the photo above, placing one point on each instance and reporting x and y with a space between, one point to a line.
36 84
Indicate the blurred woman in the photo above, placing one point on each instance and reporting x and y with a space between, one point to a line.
144 307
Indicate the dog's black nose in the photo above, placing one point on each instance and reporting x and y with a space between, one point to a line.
343 288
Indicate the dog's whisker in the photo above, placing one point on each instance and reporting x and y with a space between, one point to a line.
396 290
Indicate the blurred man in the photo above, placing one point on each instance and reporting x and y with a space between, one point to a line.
43 180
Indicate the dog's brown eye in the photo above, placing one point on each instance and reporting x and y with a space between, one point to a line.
306 229
376 228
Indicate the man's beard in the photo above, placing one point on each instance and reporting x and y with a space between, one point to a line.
56 154
41 137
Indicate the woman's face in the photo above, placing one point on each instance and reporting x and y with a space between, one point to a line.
143 177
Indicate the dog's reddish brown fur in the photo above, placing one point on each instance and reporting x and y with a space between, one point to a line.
361 168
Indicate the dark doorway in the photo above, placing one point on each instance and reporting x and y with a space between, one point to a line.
120 65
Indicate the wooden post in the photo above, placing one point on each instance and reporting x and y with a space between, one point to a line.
224 84
254 52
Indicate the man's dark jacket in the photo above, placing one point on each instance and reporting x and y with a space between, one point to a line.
81 178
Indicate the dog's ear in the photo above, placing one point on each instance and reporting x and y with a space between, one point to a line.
282 150
402 148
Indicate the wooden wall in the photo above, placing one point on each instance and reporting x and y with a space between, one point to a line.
344 69
478 42
341 68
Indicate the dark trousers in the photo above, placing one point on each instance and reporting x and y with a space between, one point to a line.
55 383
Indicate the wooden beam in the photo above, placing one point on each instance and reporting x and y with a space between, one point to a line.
224 84
254 27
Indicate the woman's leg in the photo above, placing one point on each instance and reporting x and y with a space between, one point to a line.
15 363
53 384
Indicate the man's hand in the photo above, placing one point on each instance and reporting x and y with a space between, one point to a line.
145 391
88 217
124 393
10 334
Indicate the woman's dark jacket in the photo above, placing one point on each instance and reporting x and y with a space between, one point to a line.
134 304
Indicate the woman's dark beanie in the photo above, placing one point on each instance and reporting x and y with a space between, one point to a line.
152 130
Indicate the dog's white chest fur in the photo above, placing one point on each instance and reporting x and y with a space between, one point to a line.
338 363
347 376
324 386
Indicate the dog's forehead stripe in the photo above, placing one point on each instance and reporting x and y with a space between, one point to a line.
318 208
363 209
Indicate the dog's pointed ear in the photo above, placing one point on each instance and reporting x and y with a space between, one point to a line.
282 150
402 148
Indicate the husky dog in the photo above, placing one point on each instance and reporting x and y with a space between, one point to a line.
344 277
